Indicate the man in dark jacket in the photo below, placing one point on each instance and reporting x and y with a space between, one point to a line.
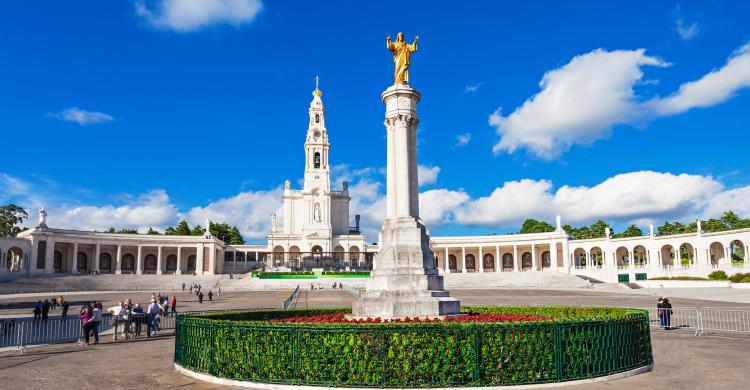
45 310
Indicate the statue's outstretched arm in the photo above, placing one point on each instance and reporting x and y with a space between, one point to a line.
388 41
414 45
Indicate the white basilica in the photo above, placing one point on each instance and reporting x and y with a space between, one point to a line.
315 231
314 234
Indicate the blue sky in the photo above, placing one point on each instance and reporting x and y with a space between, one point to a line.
140 113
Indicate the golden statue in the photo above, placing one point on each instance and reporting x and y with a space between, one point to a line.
401 56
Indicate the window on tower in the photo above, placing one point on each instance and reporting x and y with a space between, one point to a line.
316 161
317 118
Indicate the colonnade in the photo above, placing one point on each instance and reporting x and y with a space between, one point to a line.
499 257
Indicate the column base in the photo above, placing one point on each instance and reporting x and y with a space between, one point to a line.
178 272
404 281
118 272
158 272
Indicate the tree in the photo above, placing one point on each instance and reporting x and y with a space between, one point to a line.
197 230
11 216
235 237
111 230
127 231
534 226
152 231
169 231
182 229
631 231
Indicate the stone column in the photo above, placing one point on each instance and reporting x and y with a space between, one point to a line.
138 266
3 267
178 271
211 260
463 260
97 252
404 281
498 260
199 260
118 260
553 255
533 258
516 260
446 263
75 258
159 263
49 256
481 259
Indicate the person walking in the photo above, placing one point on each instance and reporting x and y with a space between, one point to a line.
38 310
174 305
667 307
210 296
200 297
138 318
45 310
183 286
64 314
96 319
660 311
152 311
218 293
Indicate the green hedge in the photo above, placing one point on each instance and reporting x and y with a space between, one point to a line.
580 343
344 274
287 275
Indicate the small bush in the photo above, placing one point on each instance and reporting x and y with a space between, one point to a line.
746 279
718 275
739 277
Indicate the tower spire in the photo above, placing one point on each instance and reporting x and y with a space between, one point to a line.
317 92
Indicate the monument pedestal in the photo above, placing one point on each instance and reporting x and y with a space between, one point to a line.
404 281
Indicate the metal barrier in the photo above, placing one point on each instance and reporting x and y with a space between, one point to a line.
292 299
703 320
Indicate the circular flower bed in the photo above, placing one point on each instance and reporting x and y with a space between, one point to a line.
488 346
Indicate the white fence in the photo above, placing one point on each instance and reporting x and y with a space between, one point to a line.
703 320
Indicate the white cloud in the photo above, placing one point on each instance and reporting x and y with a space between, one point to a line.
82 117
627 197
685 31
192 15
463 139
436 207
151 209
715 87
737 200
249 211
580 102
472 88
427 175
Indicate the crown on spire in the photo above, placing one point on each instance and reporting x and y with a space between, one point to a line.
317 92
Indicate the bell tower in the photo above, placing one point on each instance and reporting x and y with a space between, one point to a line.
317 168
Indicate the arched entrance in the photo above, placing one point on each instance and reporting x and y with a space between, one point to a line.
278 255
640 256
294 257
171 263
489 261
128 264
716 252
57 262
149 264
105 263
623 256
508 262
14 259
687 255
82 262
452 263
317 254
579 257
526 261
667 256
737 252
191 264
546 260
470 263
597 257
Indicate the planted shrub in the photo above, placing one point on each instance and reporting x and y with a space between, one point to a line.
718 275
739 277
543 344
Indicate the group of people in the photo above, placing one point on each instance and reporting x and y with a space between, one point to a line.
194 287
90 316
319 287
42 308
664 309
128 318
